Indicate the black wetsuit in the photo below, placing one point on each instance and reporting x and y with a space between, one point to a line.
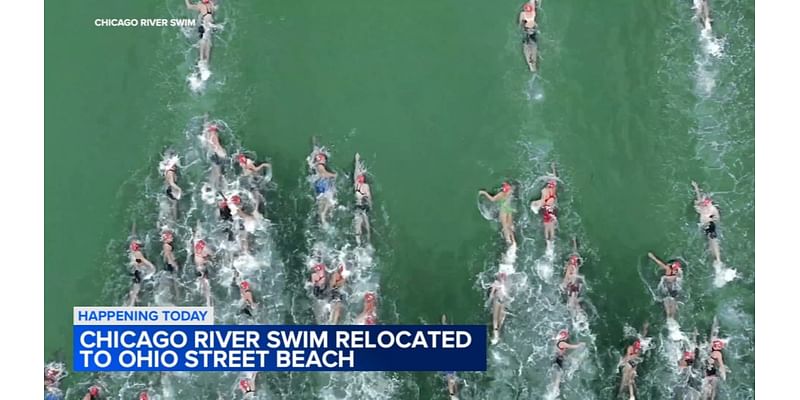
531 36
137 276
225 213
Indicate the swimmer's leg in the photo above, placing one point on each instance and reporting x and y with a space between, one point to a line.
357 227
714 245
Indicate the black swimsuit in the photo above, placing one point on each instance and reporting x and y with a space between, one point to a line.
560 356
711 230
530 36
137 276
170 267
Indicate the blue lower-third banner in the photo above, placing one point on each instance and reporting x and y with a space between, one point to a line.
279 348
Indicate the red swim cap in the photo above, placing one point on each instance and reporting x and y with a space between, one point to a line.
688 355
370 320
527 7
506 187
361 178
321 157
135 246
206 1
200 245
166 236
573 259
244 384
245 285
717 345
707 201
235 199
319 267
94 391
242 159
551 183
143 396
369 297
213 128
637 345
676 265
563 334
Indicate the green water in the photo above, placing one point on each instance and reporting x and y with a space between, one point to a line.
435 96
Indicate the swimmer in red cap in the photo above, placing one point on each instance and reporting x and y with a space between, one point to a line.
548 195
562 345
248 385
167 249
170 167
498 294
714 364
318 280
370 315
363 200
247 298
506 198
670 284
629 362
249 166
527 21
92 394
709 219
572 283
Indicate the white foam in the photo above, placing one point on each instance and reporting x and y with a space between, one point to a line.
723 274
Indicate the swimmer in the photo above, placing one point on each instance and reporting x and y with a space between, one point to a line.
336 285
167 248
92 394
703 13
562 345
323 186
53 374
530 47
247 298
318 280
140 265
709 219
248 385
499 296
573 264
450 376
218 154
363 200
247 223
170 178
629 362
249 166
670 284
690 355
202 257
370 315
548 195
205 10
714 364
506 197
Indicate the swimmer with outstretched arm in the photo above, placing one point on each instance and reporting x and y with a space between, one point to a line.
506 197
703 12
336 289
562 345
709 218
205 10
572 280
530 47
673 272
498 294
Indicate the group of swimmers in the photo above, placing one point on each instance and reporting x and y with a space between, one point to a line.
670 287
572 283
329 286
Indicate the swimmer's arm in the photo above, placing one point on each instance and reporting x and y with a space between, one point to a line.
553 168
191 6
644 328
658 261
721 367
521 20
573 346
262 166
490 197
697 191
